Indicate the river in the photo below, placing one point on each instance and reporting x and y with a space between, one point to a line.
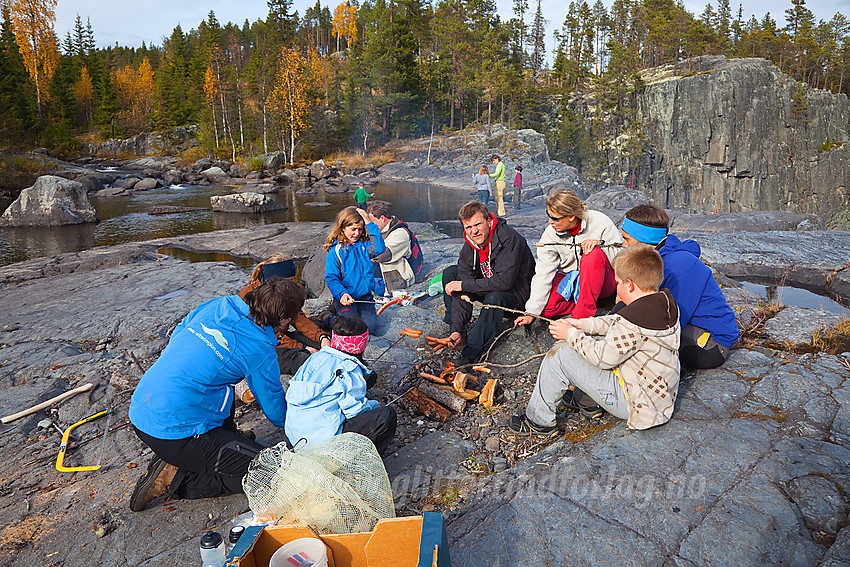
125 219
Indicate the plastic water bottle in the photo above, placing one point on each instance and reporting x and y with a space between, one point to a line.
213 553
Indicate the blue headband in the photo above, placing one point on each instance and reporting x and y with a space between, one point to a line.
643 233
285 269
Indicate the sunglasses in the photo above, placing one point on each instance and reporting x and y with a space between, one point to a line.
556 219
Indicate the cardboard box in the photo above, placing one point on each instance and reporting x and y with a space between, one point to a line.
395 542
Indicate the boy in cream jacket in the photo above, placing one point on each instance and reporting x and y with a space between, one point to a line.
627 362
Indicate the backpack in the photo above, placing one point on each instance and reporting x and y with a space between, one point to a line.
415 258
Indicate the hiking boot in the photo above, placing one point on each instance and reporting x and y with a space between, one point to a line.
586 406
521 425
153 484
568 402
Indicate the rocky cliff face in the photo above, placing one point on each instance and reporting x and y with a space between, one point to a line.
725 138
168 142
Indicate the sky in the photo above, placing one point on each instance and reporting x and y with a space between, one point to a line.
129 23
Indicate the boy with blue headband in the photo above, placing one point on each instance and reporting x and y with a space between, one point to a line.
708 324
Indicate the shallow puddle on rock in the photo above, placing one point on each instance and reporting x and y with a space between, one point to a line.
796 297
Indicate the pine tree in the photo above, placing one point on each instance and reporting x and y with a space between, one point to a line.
538 43
16 111
78 43
518 39
107 109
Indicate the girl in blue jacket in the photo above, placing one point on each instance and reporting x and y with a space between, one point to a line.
349 270
327 396
183 406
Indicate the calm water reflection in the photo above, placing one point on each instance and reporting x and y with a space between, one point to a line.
124 219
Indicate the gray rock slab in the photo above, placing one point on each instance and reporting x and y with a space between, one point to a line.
427 466
725 464
752 221
798 325
839 554
807 259
616 197
820 501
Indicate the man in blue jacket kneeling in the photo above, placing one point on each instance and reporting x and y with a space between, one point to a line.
183 407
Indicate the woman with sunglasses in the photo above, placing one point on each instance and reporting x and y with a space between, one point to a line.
573 269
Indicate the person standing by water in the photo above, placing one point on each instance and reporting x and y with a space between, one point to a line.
517 187
499 177
484 184
360 196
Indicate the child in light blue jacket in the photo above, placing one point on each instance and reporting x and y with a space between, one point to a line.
327 396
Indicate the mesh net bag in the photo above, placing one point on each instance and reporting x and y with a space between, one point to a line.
336 486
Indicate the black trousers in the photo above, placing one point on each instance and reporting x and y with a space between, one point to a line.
378 425
208 465
489 323
691 354
291 359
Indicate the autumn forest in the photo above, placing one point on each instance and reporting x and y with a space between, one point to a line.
354 76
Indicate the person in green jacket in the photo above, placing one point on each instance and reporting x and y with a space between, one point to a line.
361 194
499 178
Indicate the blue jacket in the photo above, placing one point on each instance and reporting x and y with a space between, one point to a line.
700 301
327 390
189 389
349 268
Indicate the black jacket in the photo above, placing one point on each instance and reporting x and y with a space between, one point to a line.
511 262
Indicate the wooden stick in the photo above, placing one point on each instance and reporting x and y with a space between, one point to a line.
427 406
444 395
482 305
50 402
135 360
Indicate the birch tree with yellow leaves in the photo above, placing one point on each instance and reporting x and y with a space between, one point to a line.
210 93
32 22
345 23
84 95
289 97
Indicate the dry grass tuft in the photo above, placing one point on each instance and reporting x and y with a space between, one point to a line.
356 159
835 340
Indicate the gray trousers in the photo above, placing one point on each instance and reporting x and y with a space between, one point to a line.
563 366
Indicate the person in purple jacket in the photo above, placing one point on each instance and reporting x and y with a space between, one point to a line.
708 324
517 186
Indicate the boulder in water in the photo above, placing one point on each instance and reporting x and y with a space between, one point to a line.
146 183
51 201
245 203
215 174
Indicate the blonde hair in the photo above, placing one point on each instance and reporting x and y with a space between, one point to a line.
483 170
258 269
642 264
566 203
345 218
